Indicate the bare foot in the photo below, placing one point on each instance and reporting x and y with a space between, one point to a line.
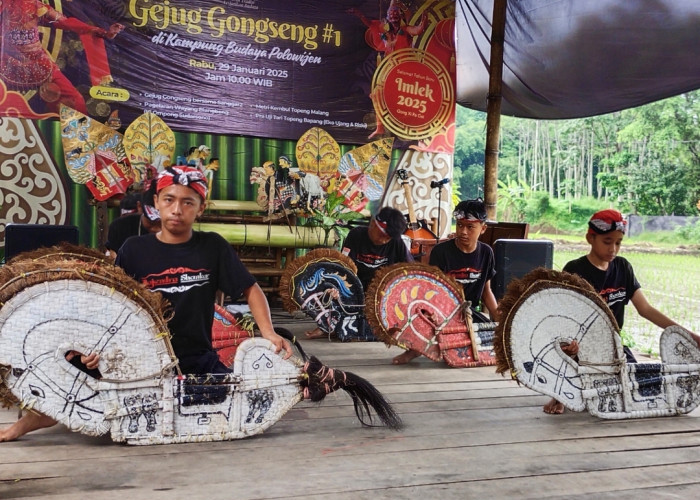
316 333
554 407
28 423
404 357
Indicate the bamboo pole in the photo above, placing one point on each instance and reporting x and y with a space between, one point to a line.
493 107
279 236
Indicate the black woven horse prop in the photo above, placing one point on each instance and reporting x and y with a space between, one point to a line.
547 309
69 299
324 284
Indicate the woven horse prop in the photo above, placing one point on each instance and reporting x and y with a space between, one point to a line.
69 299
418 307
546 309
411 305
324 285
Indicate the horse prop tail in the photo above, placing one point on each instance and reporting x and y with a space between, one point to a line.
321 380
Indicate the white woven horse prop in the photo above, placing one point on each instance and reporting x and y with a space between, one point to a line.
546 309
68 299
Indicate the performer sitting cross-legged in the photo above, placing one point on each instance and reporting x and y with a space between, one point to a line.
467 260
187 267
375 246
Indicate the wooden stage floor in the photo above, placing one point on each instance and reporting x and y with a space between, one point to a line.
469 434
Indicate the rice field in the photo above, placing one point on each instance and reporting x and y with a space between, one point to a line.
671 283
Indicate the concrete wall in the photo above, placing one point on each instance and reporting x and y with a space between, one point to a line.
638 224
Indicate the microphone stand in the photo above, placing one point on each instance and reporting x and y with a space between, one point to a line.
437 233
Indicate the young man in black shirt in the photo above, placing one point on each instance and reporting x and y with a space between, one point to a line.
469 261
187 267
613 278
377 245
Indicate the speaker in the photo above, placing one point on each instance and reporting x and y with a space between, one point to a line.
24 237
515 258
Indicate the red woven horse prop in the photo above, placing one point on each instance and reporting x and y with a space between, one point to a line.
227 333
418 307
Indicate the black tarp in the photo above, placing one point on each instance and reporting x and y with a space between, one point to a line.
576 58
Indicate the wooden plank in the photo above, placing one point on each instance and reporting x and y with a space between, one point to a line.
469 433
434 467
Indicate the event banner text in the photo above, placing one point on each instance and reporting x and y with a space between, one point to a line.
270 68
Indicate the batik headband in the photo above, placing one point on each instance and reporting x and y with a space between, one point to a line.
151 213
185 176
607 221
603 227
470 210
460 214
381 225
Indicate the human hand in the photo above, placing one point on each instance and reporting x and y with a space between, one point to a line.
280 343
89 360
109 34
114 30
571 348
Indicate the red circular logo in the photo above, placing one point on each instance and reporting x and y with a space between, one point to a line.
412 93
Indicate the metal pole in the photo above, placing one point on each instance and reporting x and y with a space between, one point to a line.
493 107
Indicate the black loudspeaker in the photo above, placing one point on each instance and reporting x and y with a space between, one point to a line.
24 237
515 258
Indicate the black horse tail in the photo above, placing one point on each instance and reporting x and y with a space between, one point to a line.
286 334
322 380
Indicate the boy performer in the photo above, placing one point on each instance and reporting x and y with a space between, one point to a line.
613 278
467 260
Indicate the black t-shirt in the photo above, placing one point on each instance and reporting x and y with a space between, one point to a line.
616 285
122 228
471 270
370 257
188 275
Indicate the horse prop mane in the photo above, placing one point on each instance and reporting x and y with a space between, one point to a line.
410 305
546 309
67 298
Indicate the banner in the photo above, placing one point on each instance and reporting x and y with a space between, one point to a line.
267 68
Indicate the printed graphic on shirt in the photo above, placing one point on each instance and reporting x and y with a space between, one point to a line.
465 275
176 279
371 260
613 295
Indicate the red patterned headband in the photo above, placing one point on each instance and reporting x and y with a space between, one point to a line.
381 225
607 221
185 176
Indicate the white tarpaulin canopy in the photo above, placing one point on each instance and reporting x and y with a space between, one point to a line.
576 58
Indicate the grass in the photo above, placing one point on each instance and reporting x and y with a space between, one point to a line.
671 283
